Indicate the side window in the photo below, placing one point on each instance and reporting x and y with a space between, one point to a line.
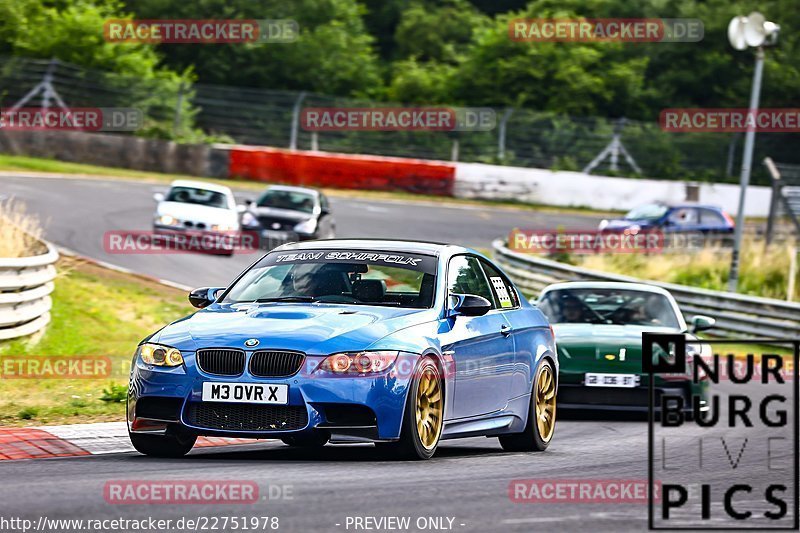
685 216
504 293
464 276
323 202
709 217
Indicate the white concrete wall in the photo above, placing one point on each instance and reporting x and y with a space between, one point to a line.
476 180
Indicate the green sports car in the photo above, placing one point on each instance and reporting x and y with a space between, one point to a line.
598 330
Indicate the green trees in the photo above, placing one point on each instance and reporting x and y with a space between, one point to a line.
425 52
429 51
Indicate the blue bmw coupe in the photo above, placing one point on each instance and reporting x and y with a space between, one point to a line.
398 343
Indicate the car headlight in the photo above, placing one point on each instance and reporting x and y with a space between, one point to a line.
306 226
248 219
358 363
167 220
158 355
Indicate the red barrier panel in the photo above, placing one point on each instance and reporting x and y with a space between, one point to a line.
342 171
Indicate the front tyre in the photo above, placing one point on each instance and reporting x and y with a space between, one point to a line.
423 419
173 444
541 415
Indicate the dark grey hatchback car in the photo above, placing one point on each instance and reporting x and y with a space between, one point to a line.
289 214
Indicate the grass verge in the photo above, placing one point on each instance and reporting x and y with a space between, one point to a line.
763 270
96 313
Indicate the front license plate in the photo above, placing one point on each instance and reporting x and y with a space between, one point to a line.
277 235
612 380
245 393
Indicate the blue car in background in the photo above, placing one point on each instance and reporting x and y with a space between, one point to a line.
398 343
708 220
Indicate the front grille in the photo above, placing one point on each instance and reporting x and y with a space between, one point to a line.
633 397
246 417
223 362
622 397
269 222
275 364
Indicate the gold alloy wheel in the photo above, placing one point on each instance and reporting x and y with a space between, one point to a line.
546 403
429 407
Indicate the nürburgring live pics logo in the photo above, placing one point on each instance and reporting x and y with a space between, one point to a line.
727 458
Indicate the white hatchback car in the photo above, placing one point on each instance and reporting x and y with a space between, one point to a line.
199 208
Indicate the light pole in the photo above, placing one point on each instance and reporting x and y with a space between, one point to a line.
743 32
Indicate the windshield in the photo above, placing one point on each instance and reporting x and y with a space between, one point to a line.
294 200
190 195
609 306
339 277
647 212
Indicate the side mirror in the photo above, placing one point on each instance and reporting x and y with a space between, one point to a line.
204 296
469 305
159 197
702 323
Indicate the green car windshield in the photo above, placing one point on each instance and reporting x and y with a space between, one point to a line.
609 306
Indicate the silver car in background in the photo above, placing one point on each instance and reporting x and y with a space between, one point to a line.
197 208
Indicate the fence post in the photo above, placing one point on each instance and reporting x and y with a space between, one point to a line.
792 273
176 124
296 120
454 151
731 154
501 134
773 204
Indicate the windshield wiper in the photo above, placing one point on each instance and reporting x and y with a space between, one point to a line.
285 299
321 300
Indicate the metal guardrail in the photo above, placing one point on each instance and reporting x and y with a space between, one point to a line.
25 287
736 314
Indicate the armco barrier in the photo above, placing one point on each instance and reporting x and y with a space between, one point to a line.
25 287
320 169
736 314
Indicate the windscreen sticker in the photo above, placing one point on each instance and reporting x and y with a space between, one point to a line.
415 262
501 292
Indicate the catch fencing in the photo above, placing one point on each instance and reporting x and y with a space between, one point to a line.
531 138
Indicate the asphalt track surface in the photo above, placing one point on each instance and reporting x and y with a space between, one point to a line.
468 480
77 213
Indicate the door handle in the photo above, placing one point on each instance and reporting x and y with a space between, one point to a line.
505 330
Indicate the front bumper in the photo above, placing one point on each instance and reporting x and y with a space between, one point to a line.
574 394
270 239
349 407
193 239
